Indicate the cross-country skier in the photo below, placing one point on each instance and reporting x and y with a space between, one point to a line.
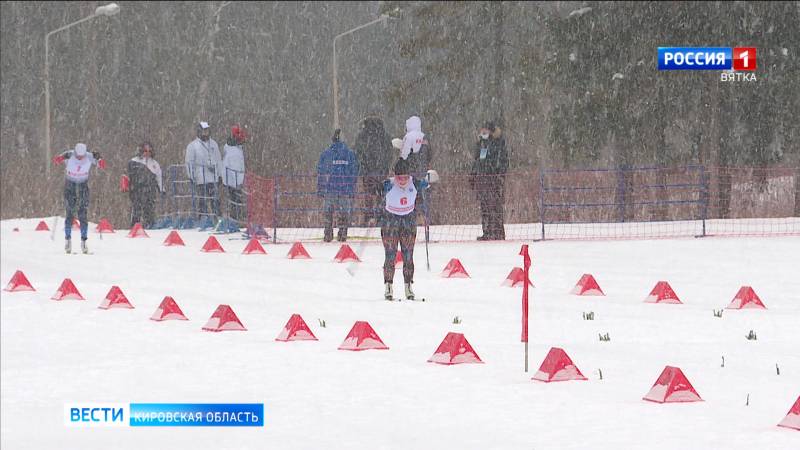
399 225
76 189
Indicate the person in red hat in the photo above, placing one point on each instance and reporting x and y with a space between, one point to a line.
233 173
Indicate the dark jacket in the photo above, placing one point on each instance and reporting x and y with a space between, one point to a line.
374 148
496 160
421 161
337 170
143 182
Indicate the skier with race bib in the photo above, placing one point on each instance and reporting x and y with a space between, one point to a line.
78 163
399 225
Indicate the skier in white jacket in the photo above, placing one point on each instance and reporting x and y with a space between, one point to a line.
204 168
233 173
76 189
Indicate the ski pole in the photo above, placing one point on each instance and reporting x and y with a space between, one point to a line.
427 228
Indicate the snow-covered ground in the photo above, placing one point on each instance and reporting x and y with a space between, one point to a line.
316 396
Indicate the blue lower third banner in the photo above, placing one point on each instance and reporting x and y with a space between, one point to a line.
196 414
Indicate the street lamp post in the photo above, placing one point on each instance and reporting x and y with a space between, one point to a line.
382 18
106 10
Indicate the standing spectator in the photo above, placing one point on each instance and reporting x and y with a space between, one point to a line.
337 173
204 167
374 151
233 172
487 178
146 184
76 189
416 148
417 151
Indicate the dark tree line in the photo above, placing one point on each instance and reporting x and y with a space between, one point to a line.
575 83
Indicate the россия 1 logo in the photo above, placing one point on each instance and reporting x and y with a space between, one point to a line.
744 58
733 61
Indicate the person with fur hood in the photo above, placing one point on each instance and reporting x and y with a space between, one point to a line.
145 185
374 151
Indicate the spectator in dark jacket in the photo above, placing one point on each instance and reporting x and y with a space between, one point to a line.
375 153
487 178
144 174
337 173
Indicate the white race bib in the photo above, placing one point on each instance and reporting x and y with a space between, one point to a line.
401 201
78 169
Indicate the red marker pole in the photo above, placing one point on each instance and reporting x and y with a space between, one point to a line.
526 265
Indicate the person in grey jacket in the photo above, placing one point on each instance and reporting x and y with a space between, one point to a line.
204 167
233 173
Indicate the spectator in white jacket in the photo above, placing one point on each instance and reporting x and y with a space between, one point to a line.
233 173
204 167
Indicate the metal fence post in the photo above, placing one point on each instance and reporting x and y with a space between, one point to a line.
275 187
541 199
171 200
703 197
191 187
620 195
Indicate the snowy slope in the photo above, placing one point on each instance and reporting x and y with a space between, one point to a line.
318 397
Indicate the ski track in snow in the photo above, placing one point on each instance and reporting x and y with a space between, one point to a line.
316 396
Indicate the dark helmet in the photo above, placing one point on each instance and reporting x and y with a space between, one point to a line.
402 167
149 145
